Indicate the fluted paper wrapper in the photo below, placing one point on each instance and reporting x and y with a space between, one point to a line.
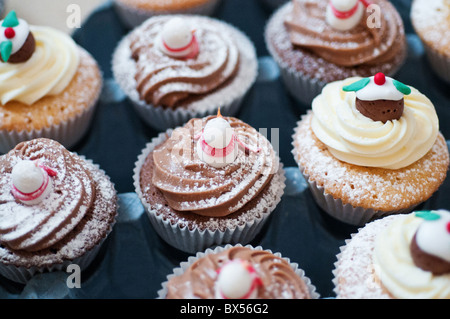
132 17
195 240
185 265
228 98
23 274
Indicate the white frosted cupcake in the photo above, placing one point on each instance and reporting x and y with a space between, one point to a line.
402 256
370 147
49 86
133 12
177 67
237 272
199 193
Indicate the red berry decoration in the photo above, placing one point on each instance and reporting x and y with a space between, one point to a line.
10 33
379 79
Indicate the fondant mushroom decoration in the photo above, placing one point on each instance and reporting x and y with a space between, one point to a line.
17 43
178 40
379 97
237 279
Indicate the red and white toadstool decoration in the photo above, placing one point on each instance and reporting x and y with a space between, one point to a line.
344 15
31 182
178 40
237 279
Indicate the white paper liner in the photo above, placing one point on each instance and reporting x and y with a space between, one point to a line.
67 133
439 63
185 265
23 274
132 17
229 98
195 240
301 86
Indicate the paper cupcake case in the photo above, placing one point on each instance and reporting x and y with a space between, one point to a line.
228 99
23 274
132 17
68 133
192 241
185 265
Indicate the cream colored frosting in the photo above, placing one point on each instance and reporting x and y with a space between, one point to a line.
48 72
395 268
356 139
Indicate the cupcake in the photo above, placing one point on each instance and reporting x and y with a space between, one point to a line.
49 85
431 21
370 147
56 209
318 42
177 67
133 12
397 257
213 181
237 272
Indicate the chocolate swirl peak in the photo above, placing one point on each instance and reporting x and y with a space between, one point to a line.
190 185
35 227
363 44
278 279
169 81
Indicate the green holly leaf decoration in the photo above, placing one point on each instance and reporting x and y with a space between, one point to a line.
406 90
10 20
428 215
5 50
358 85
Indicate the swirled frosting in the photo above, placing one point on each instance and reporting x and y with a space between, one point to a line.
48 72
363 44
395 268
170 82
279 281
39 226
190 185
353 138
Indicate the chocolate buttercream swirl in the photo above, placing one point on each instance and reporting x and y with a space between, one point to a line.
39 226
364 44
189 184
279 281
172 82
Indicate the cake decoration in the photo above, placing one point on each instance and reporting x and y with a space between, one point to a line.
344 15
218 144
237 279
177 40
31 181
17 43
379 98
430 246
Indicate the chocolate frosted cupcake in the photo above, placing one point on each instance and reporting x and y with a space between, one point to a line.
237 272
397 257
133 12
318 42
178 67
49 86
213 181
370 147
56 209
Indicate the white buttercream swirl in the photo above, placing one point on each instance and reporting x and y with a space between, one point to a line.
356 139
395 268
48 72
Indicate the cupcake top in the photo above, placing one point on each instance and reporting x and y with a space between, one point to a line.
346 32
375 122
213 166
412 256
431 20
46 193
182 58
239 273
36 61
